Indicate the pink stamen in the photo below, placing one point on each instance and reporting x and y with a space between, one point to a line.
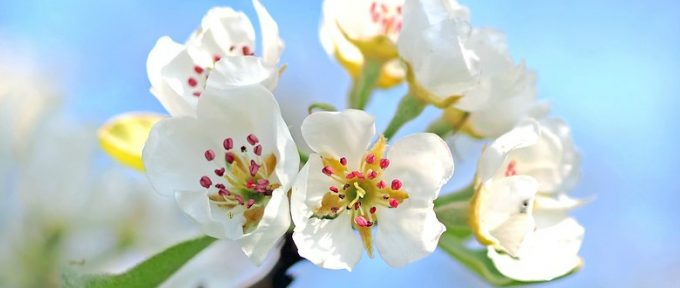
258 150
510 170
361 221
351 175
396 184
252 139
228 143
334 210
229 157
372 210
209 154
198 69
357 205
192 82
334 189
370 158
253 168
205 182
239 199
384 163
220 186
216 58
343 161
250 203
246 51
223 192
372 174
196 93
327 170
394 203
381 184
220 172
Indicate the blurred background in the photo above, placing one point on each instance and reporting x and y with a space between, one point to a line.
609 68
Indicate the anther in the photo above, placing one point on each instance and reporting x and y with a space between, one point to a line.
223 192
196 93
220 186
250 203
381 184
343 161
357 205
396 184
198 69
384 163
220 172
216 58
244 149
394 203
246 51
228 143
334 189
239 199
372 210
341 196
209 155
252 139
361 221
334 210
258 150
345 187
253 168
192 82
205 182
370 158
229 157
327 170
372 174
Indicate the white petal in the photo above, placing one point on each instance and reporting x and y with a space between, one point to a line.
240 111
173 155
492 159
235 71
221 29
212 219
503 211
274 224
423 163
549 211
330 244
271 43
407 233
178 75
162 53
339 134
547 254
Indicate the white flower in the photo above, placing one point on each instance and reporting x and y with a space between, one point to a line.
507 91
224 47
520 209
361 20
347 187
230 167
433 42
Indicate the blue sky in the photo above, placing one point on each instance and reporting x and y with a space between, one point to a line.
609 68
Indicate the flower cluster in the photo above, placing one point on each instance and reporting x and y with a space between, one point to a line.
228 158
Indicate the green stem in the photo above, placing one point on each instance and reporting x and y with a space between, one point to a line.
150 273
364 83
408 109
304 156
440 127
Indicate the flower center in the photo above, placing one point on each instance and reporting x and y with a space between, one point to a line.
360 192
244 180
197 78
388 17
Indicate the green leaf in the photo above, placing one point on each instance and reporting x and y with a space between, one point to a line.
453 211
150 273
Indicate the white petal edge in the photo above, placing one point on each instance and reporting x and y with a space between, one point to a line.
547 254
339 134
269 30
331 244
160 55
235 71
525 134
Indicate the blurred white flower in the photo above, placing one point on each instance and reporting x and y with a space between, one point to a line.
434 43
506 91
346 186
229 168
361 20
224 46
520 208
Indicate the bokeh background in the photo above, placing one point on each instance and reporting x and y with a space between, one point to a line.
610 68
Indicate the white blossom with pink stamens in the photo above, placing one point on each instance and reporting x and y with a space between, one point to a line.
230 167
223 48
347 190
520 208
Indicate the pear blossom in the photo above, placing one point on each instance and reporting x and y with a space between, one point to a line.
434 43
508 90
348 190
229 167
362 20
520 208
223 45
